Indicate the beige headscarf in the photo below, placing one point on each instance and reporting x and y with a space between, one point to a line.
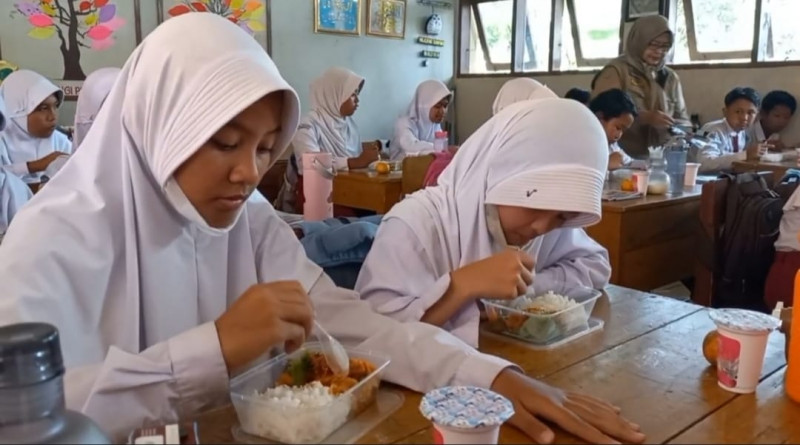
643 31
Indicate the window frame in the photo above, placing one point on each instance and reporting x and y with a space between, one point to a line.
761 48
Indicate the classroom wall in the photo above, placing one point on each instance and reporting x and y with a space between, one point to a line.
392 67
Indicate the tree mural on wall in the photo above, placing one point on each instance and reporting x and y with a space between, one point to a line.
77 24
248 14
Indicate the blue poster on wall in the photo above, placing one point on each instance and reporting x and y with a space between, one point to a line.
338 16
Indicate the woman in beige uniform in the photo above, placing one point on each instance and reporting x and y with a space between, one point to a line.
642 73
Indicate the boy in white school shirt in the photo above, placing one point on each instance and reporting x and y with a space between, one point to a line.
730 141
777 110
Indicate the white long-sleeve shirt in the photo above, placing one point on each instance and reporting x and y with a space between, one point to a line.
307 140
398 279
181 377
406 141
725 147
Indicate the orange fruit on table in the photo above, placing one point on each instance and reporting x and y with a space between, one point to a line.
711 347
627 185
382 168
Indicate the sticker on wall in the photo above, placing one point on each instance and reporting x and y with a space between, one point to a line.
253 16
430 41
430 54
66 39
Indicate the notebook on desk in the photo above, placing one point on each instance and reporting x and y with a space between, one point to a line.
619 195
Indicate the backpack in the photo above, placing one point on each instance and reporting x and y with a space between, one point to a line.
752 220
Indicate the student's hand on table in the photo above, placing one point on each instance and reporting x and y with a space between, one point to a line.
755 151
615 160
265 316
505 275
591 419
777 145
368 156
657 119
41 164
452 149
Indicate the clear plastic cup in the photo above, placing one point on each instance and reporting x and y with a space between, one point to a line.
742 340
691 174
465 414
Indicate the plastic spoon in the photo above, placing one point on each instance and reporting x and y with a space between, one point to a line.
333 351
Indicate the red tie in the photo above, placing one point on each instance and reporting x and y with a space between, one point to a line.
735 138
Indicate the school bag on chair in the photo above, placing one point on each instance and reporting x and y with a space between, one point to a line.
752 220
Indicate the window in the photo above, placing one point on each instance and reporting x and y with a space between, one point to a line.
779 19
589 33
517 36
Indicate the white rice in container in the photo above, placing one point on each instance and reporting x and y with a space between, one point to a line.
299 414
549 303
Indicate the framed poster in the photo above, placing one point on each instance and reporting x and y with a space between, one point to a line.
337 17
387 18
66 39
641 8
253 16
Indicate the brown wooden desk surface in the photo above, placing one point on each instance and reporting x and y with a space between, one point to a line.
647 360
362 189
777 168
769 416
651 240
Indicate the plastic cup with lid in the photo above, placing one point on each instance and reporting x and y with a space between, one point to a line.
465 414
743 336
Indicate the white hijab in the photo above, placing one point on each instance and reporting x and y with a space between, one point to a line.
93 93
109 252
13 192
338 135
519 89
23 91
428 94
524 156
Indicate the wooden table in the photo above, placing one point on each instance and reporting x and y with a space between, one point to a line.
650 240
367 190
778 169
647 360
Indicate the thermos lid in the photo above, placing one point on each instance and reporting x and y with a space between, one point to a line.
30 353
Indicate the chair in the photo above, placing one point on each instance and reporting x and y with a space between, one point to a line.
271 182
712 220
414 170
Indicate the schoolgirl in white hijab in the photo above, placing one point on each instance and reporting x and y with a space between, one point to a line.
415 131
31 142
519 89
329 126
145 249
93 93
524 180
13 192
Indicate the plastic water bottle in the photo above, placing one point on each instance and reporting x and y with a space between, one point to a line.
440 141
32 408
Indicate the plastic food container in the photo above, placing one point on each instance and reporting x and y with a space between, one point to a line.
541 329
287 424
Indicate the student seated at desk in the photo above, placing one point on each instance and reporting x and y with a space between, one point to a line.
519 89
13 192
616 112
579 94
777 110
93 93
30 142
781 276
729 135
513 200
329 126
166 275
415 132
